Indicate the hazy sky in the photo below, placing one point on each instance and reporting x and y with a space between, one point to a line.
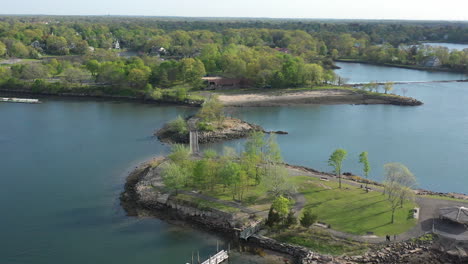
368 9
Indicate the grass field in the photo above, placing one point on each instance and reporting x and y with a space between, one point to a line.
352 210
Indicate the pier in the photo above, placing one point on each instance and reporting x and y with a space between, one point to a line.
20 100
217 258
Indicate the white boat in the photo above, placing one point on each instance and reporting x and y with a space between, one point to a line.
19 100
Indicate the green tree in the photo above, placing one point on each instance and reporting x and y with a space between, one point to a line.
57 45
308 218
174 176
363 159
388 87
73 75
179 126
282 206
336 161
180 154
3 49
93 67
33 71
398 185
212 111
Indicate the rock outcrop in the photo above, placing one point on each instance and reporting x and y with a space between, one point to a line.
232 128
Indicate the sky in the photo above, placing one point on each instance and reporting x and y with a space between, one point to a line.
340 9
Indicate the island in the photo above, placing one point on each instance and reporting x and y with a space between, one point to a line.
254 198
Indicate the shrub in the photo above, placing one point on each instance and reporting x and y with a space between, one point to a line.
203 126
178 126
308 218
291 220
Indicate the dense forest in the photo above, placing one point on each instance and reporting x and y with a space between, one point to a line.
166 56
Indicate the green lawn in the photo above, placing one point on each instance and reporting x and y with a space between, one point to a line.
351 209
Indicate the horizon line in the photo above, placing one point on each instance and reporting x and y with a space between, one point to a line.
238 17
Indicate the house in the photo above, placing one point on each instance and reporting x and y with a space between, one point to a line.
158 51
432 62
217 82
116 45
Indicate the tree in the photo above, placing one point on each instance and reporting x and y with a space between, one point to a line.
33 71
212 111
179 154
336 161
93 67
275 180
363 159
388 87
3 49
57 45
74 74
398 185
174 176
308 218
282 206
291 219
179 126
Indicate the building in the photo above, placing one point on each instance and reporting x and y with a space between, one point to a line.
158 51
217 82
116 45
432 62
455 214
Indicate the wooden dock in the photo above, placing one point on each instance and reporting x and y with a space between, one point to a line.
19 100
218 258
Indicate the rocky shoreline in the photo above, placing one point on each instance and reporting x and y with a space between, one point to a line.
145 195
233 128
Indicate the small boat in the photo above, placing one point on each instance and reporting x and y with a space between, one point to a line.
20 100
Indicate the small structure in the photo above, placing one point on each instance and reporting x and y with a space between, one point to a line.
158 51
218 82
116 45
457 214
432 62
217 258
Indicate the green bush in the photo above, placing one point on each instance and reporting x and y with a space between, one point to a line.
308 218
179 126
203 126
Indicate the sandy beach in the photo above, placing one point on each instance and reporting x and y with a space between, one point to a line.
300 97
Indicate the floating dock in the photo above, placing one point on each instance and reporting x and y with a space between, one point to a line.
20 100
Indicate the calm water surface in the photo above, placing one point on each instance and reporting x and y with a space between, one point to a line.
63 164
363 73
450 46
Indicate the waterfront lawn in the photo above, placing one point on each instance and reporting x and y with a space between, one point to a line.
255 197
320 241
351 209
